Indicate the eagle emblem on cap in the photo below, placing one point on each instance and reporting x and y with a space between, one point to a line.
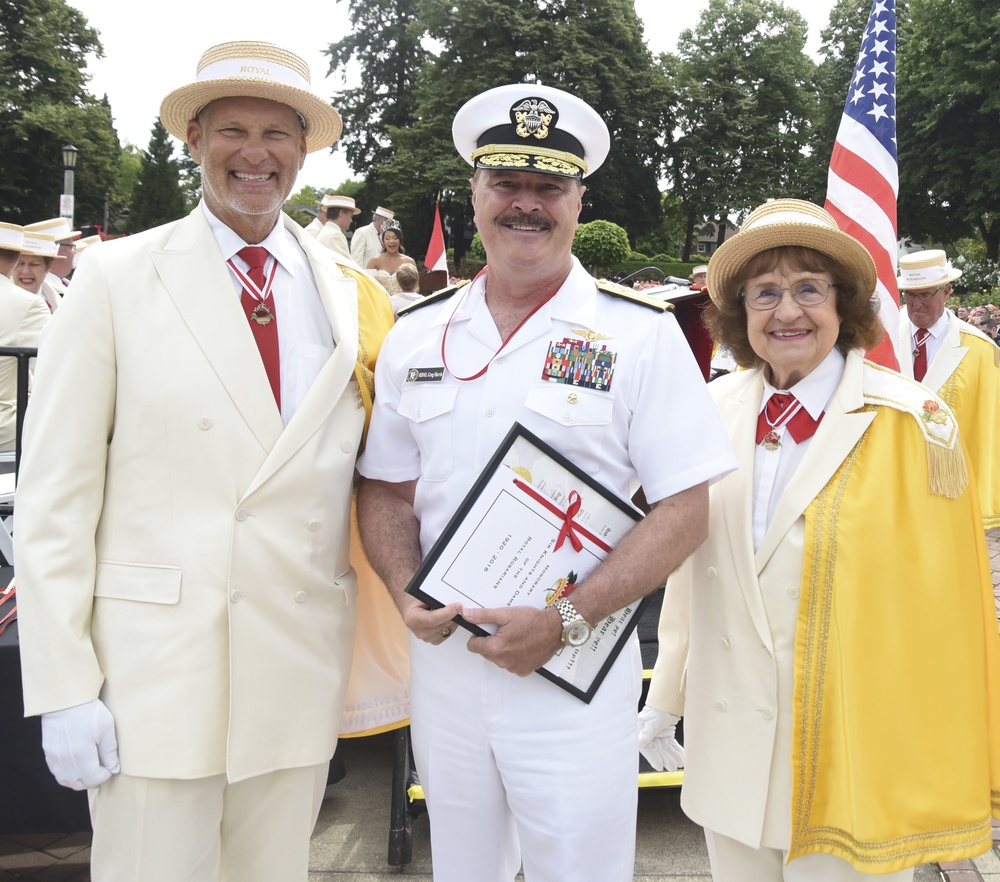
533 116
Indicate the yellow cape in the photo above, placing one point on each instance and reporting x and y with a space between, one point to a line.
897 672
973 393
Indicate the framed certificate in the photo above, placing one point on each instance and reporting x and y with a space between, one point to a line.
532 527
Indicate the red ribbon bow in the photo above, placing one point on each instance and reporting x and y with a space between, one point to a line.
568 527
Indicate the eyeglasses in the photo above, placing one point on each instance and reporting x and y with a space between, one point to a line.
921 295
805 292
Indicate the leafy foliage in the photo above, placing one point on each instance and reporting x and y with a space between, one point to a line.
601 244
158 197
949 152
746 100
44 104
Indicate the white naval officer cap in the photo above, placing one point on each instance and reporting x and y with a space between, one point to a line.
533 128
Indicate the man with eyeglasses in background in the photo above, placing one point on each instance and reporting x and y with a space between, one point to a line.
957 361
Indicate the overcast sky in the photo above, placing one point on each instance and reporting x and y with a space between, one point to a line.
143 62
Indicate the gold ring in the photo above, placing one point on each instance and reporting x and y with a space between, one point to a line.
446 632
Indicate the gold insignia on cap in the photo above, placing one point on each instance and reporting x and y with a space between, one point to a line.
590 336
533 117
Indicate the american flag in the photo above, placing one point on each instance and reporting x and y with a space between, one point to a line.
864 179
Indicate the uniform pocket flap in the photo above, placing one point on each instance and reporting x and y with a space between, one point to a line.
571 405
146 583
422 403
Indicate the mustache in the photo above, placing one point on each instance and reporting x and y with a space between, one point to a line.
525 220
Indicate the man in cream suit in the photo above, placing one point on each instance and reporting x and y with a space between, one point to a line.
339 212
366 242
957 361
186 599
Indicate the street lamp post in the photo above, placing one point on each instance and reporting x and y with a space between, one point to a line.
69 154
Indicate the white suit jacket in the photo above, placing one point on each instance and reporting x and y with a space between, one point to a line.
23 316
365 244
179 552
949 355
740 673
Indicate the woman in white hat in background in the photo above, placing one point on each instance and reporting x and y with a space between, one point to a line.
37 255
832 646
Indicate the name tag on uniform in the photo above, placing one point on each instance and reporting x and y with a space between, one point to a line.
425 375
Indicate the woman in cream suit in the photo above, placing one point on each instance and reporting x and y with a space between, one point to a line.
832 646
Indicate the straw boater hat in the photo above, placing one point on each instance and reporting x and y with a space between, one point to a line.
251 69
11 237
40 245
384 212
331 200
787 222
701 268
533 128
58 228
925 269
86 242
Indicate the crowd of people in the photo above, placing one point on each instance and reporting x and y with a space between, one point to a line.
214 398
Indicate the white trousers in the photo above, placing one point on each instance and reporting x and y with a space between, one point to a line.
205 830
516 770
733 861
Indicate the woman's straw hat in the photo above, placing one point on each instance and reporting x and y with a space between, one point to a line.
787 222
253 69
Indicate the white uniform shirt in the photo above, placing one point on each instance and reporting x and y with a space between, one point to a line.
644 417
305 339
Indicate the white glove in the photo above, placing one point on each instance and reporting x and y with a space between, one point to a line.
658 740
80 745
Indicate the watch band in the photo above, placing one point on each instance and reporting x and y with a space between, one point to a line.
569 613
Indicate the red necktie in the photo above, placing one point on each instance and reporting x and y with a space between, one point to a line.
776 414
262 317
920 354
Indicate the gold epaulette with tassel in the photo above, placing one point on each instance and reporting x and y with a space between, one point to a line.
946 466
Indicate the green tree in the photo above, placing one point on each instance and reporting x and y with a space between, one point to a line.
384 43
746 99
949 150
190 178
44 104
600 244
157 198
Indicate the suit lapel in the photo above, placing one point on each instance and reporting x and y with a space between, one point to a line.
195 276
739 413
340 301
948 358
841 428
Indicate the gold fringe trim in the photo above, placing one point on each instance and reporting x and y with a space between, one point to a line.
996 357
947 472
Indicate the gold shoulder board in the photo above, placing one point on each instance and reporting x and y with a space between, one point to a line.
612 289
436 297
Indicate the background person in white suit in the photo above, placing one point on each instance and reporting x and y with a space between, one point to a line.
366 242
185 596
823 623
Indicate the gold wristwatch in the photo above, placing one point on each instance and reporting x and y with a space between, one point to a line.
576 629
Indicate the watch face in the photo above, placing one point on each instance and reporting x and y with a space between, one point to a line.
577 634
